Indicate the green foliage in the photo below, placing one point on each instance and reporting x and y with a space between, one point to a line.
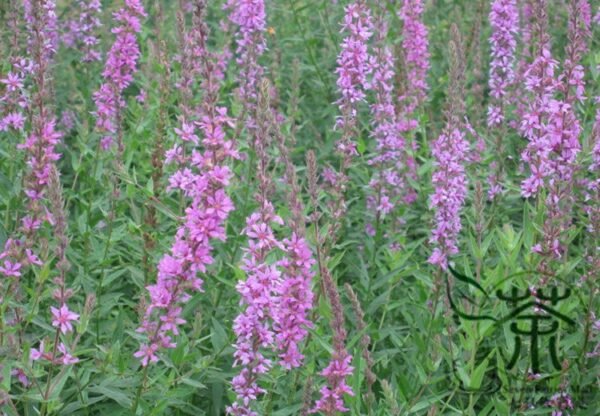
426 360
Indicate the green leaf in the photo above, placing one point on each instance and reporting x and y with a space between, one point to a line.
6 376
477 376
113 394
194 383
218 335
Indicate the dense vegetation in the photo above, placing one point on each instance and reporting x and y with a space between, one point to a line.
269 207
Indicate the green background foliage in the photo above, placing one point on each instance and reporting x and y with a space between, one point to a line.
426 361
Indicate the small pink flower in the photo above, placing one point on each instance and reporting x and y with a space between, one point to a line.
11 269
66 358
385 205
106 142
147 354
141 97
30 224
186 133
20 374
36 354
13 82
62 318
32 258
172 320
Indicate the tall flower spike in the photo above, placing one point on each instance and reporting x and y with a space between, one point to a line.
579 35
557 138
81 33
339 368
250 18
451 152
42 185
202 178
504 19
541 84
294 291
390 144
294 301
40 144
353 70
549 124
449 179
120 66
253 326
47 34
416 47
62 317
415 57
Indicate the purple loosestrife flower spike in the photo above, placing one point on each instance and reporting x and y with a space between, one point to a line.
339 368
48 33
259 300
81 32
353 69
504 19
331 394
120 66
556 139
392 161
252 326
294 301
549 123
15 100
451 152
579 35
294 291
390 143
202 178
354 64
40 143
41 179
331 400
541 84
250 18
416 46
